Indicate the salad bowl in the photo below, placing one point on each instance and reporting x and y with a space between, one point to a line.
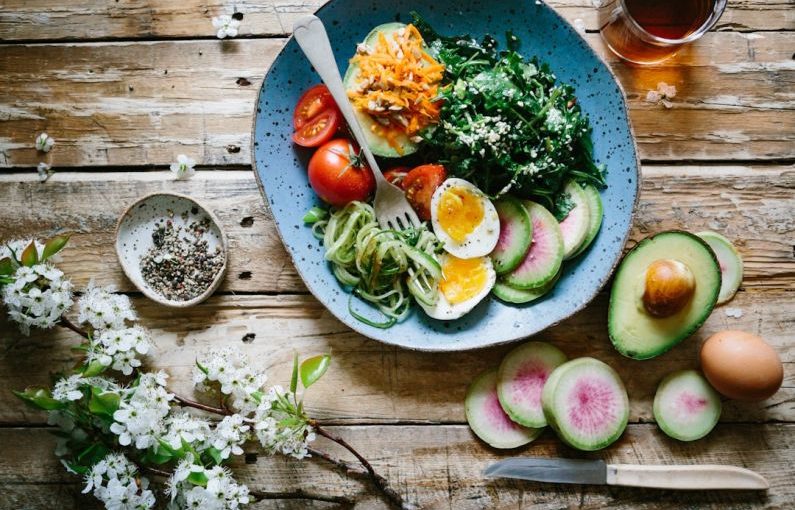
280 166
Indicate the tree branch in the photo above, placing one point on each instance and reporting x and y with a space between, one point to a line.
71 325
184 402
348 468
392 496
301 494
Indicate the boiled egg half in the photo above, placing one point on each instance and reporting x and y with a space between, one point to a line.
464 219
464 284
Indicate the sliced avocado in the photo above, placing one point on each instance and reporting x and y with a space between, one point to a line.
634 331
378 145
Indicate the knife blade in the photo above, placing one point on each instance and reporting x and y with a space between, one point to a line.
597 472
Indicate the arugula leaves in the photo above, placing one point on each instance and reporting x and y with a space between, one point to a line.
506 124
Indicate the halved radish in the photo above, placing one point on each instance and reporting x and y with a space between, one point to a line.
521 296
516 234
686 407
574 226
487 419
521 378
545 255
586 403
730 262
596 211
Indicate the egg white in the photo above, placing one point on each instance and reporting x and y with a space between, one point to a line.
481 241
445 310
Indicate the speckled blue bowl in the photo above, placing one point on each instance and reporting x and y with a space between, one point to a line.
281 166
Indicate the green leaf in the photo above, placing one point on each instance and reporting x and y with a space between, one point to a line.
93 454
257 395
93 369
104 404
198 478
215 454
158 455
54 245
202 368
313 369
39 398
314 215
77 468
6 266
30 255
294 377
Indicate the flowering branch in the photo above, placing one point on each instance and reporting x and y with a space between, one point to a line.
185 402
65 322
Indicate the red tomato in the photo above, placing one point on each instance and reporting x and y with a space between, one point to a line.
319 130
338 173
419 184
396 175
314 101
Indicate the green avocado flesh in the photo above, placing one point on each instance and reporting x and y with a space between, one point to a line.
634 332
378 145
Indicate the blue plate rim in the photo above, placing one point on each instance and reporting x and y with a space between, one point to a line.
459 347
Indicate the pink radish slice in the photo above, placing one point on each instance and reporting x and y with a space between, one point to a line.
586 403
574 226
487 419
521 378
516 234
545 255
686 407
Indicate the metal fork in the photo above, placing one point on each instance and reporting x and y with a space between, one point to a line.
392 210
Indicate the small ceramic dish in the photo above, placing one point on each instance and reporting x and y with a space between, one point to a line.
134 238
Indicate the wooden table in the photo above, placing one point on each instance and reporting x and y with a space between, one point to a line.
124 87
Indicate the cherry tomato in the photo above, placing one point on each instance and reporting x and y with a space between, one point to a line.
338 173
314 101
419 184
319 130
396 175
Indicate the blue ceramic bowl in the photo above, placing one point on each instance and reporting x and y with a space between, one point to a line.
281 166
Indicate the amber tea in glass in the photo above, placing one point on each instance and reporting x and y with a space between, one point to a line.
650 31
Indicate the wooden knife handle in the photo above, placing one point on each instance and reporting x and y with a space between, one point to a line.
685 477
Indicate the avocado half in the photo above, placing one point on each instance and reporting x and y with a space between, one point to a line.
634 332
378 145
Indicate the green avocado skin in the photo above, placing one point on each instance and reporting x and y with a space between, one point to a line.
707 274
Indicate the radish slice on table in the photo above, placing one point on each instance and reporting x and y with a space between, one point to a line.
521 378
586 403
487 419
730 262
686 407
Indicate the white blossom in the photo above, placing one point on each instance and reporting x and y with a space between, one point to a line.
103 309
37 297
45 171
120 348
221 492
183 168
140 417
183 426
44 142
229 435
229 368
115 482
273 435
226 26
68 388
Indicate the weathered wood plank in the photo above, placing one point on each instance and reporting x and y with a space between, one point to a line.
144 102
751 205
370 382
438 467
97 19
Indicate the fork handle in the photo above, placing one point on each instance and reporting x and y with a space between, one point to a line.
311 36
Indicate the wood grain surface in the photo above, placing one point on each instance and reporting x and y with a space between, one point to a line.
125 86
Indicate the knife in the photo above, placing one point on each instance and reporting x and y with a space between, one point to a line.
597 472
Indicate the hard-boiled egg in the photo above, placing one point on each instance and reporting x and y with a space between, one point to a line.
464 219
464 284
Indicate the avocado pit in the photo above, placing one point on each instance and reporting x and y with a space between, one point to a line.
669 287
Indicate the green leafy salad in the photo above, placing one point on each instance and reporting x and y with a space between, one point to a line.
506 125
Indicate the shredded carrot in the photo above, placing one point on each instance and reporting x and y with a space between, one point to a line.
398 84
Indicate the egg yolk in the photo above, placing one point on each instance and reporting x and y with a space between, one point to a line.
462 279
460 212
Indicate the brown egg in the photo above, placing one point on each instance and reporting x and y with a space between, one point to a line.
741 366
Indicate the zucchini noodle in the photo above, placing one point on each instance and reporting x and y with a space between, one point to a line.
381 266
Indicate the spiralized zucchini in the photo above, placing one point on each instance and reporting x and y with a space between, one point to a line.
380 266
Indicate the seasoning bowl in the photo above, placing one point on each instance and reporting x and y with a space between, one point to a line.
134 239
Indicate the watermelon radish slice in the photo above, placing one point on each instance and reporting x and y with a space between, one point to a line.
686 407
596 211
521 296
516 234
730 262
487 419
521 378
545 255
586 404
574 226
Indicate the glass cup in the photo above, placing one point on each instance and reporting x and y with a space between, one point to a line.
631 31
